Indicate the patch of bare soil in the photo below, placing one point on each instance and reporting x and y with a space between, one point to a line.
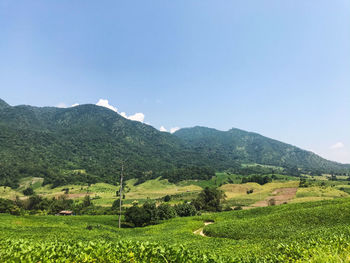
279 196
200 230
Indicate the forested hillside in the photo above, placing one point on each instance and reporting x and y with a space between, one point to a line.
87 144
247 147
84 143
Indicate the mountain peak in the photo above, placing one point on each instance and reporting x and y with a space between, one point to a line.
3 104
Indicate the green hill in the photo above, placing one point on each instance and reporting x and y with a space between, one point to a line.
306 232
247 147
87 143
84 143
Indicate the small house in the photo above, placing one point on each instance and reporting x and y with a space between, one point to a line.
65 213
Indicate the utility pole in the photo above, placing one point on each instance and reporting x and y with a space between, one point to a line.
120 194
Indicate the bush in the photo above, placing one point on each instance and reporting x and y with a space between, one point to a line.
166 211
209 200
167 198
138 216
185 209
28 191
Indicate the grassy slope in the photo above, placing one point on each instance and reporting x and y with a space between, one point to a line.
237 233
186 190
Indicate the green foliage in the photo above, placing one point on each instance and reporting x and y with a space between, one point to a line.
138 216
83 144
231 148
185 209
305 232
257 179
97 251
167 198
303 183
10 207
209 200
166 211
28 191
188 173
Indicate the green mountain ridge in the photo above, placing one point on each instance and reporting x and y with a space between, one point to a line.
3 104
250 147
86 143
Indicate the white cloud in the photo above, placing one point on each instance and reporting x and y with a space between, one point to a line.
139 116
61 105
162 129
172 130
75 104
104 103
336 146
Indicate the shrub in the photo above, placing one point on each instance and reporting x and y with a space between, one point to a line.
185 209
138 216
167 198
272 202
166 211
209 200
28 191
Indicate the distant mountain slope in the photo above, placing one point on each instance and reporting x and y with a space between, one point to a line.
86 144
3 104
249 147
48 141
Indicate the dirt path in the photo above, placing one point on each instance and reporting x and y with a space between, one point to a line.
279 196
200 230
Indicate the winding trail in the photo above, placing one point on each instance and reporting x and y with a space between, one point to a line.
200 230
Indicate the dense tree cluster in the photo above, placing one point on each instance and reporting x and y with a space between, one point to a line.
189 173
36 204
209 199
257 179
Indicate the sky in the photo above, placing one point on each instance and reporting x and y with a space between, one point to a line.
278 68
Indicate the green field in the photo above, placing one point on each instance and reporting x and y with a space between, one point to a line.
305 224
104 194
304 231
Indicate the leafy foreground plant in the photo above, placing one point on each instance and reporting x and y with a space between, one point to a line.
100 251
328 249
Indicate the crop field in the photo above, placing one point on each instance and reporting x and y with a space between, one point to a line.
312 231
283 189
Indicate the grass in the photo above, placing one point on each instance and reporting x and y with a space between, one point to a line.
237 193
244 235
105 194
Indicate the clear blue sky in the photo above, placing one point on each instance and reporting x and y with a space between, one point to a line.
279 68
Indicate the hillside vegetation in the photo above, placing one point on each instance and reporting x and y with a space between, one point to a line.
87 144
238 146
307 232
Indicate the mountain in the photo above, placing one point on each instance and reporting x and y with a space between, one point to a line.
84 143
248 147
87 143
3 104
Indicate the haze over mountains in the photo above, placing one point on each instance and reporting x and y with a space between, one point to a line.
86 144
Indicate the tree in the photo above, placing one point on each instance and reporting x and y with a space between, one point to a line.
167 198
116 205
185 209
28 191
210 200
151 208
87 201
166 211
138 216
